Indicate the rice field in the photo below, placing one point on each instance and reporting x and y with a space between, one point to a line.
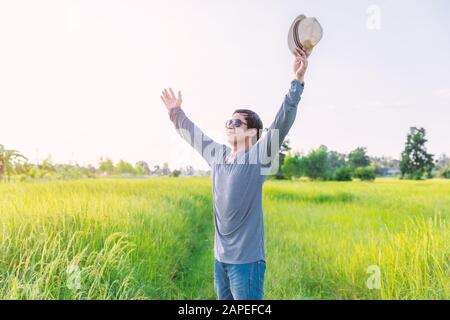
153 239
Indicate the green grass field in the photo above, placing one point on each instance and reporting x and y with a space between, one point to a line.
153 239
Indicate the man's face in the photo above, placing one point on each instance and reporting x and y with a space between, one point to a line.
238 134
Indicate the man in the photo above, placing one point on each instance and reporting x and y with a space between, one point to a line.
238 174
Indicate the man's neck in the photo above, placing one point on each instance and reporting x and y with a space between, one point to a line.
239 147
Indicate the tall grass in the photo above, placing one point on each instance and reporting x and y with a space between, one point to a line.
129 239
153 239
323 249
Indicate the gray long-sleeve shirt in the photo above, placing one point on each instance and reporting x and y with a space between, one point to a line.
237 184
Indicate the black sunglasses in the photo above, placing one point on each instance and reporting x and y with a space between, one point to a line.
235 123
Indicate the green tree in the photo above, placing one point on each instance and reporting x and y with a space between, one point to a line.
91 171
445 173
189 171
47 168
156 170
124 167
22 169
7 158
70 171
139 170
338 166
175 173
106 166
291 167
358 158
416 161
165 169
142 168
442 164
336 160
284 150
317 166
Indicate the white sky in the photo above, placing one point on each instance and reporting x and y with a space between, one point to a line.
82 79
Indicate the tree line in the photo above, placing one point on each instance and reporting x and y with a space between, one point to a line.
319 164
16 167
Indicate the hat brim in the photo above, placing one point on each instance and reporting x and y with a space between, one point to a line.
291 43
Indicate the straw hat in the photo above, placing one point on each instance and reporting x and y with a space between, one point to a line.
305 33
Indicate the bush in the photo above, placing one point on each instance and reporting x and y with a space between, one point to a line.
343 174
365 173
175 173
22 177
445 173
291 167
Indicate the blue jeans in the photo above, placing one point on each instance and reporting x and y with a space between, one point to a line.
239 281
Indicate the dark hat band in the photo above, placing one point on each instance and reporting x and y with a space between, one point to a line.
296 38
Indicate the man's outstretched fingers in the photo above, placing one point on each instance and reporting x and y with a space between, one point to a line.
166 94
172 94
301 53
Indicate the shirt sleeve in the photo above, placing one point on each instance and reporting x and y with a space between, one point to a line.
269 144
210 150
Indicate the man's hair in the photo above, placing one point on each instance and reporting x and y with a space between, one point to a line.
253 121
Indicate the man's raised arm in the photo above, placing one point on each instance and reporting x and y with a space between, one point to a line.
270 143
208 148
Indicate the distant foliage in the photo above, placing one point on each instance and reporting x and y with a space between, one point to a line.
365 173
317 165
336 161
142 168
105 166
291 167
7 158
124 167
343 174
445 173
175 173
358 158
416 162
321 164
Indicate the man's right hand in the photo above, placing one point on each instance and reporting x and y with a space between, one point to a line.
169 99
